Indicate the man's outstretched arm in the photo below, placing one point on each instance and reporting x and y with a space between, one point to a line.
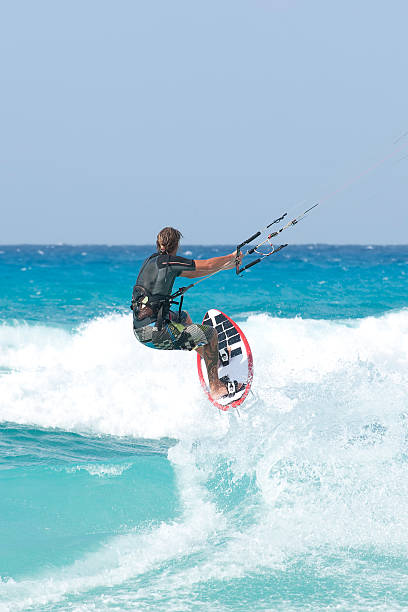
209 266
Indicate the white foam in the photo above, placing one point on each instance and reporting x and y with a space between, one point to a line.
100 379
323 446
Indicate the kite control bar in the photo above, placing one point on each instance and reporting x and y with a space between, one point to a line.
267 240
239 247
263 255
180 293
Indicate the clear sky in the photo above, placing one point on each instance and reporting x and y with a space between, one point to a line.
121 117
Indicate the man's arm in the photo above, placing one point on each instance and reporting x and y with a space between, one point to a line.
209 266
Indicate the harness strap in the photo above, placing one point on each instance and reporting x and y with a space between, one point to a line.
180 306
156 305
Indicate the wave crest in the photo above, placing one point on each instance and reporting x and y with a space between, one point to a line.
101 380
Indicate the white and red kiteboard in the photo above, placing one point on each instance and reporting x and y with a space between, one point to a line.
235 359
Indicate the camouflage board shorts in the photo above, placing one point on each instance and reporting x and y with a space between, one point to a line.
175 335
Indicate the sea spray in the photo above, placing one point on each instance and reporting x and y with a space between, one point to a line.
123 488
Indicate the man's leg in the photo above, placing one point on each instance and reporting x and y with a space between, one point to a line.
209 352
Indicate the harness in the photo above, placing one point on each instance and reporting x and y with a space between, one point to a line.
146 304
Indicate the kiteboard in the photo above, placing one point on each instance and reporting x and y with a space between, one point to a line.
235 360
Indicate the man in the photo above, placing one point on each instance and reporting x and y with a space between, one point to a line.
155 325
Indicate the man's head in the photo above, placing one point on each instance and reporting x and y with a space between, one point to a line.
168 240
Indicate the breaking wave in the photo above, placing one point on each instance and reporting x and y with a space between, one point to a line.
313 467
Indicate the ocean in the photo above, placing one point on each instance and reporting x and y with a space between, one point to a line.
123 488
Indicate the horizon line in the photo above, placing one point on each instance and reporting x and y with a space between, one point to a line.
198 244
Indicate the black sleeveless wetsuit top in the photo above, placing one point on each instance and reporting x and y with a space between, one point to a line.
157 276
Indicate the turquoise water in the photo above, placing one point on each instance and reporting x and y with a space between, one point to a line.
122 488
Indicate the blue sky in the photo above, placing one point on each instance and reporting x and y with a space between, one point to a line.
215 117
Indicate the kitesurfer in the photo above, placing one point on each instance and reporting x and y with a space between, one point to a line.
155 325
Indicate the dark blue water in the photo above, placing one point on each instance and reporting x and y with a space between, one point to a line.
65 285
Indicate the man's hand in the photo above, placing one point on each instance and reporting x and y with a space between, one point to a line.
231 265
239 258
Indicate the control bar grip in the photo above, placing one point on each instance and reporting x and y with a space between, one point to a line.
248 240
249 265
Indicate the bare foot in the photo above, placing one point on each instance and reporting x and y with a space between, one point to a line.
221 390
